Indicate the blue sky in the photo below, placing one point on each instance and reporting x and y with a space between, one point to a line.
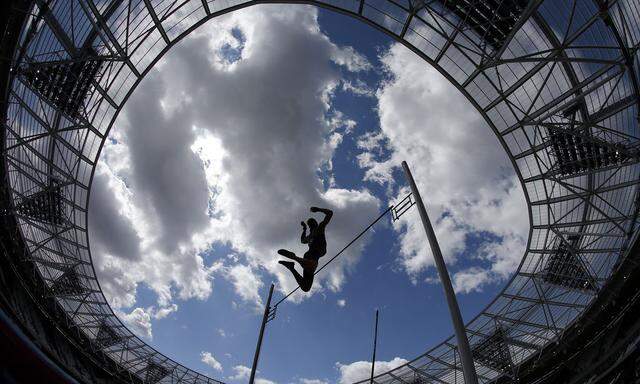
221 150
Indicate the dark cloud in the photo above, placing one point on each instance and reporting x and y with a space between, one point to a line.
110 232
168 177
266 109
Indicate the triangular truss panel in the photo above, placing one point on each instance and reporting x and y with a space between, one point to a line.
494 352
155 372
68 284
577 150
492 20
566 269
65 83
45 206
107 336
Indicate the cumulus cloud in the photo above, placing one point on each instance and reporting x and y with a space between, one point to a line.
358 87
246 283
114 233
470 279
313 381
163 312
465 178
242 372
350 58
139 321
269 183
165 257
198 158
207 358
360 370
342 303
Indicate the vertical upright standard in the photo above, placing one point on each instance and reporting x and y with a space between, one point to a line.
468 369
267 308
375 346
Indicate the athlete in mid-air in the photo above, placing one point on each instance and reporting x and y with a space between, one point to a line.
317 248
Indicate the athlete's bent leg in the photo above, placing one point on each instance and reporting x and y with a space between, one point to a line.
306 281
290 255
303 281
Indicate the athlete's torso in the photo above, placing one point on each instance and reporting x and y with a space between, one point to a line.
318 242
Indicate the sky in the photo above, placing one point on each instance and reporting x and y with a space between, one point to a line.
222 149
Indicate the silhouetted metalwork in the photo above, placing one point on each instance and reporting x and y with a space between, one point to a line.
375 347
565 268
45 205
154 372
492 20
266 317
401 207
64 83
578 151
107 336
462 341
494 352
68 283
557 82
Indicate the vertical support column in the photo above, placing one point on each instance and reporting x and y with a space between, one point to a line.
375 346
267 307
468 369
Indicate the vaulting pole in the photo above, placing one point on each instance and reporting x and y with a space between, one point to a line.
375 345
259 346
468 369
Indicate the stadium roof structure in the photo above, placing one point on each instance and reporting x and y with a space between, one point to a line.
557 81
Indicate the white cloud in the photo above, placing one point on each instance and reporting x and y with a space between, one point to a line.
313 381
163 312
139 321
360 370
470 279
336 121
246 283
464 176
370 141
358 88
222 332
342 302
284 171
350 58
207 358
501 255
241 372
197 158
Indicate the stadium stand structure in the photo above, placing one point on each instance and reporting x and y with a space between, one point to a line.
557 82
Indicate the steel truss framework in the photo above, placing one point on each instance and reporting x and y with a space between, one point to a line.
557 81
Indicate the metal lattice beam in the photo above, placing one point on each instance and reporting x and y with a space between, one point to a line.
556 82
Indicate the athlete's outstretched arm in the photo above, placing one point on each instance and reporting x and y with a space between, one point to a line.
327 214
303 238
